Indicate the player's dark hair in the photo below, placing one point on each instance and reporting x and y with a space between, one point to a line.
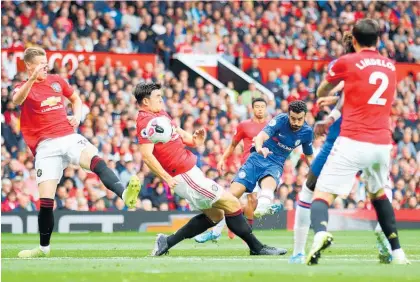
255 100
366 32
144 90
298 107
348 43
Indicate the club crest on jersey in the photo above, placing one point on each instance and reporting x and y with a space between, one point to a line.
51 101
39 172
297 143
56 87
214 188
272 122
242 174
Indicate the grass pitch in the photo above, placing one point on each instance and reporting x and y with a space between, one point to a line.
124 257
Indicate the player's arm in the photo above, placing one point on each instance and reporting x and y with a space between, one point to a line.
336 112
308 150
76 103
324 88
268 131
195 140
309 159
20 93
146 151
237 137
336 74
229 150
260 139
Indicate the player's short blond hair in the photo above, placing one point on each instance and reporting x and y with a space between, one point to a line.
32 52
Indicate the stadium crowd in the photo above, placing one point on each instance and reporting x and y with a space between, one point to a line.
235 29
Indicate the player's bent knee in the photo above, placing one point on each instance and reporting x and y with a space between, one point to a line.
228 203
329 198
252 200
215 215
268 182
87 155
47 188
378 194
237 189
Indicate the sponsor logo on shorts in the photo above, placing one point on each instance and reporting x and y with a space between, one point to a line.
56 87
82 142
297 142
272 122
214 187
39 172
242 174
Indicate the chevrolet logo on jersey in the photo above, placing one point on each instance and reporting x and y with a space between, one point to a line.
51 101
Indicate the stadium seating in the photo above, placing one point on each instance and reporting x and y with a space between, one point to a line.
240 32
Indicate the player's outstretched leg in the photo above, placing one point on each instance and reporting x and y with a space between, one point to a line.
250 207
386 218
211 235
236 222
89 160
265 199
319 219
382 243
45 221
302 221
197 225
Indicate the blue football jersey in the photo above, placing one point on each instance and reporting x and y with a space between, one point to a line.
283 140
334 130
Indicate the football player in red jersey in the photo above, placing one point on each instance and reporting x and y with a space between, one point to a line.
49 133
364 142
245 131
175 164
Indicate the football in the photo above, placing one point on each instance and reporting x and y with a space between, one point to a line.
159 130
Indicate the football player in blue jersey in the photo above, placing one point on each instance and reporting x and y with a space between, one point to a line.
272 147
331 127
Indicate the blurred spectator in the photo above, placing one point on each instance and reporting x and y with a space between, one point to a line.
254 71
299 30
250 94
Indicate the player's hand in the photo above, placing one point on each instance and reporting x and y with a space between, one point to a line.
264 151
74 122
221 166
199 136
172 182
327 101
322 127
39 68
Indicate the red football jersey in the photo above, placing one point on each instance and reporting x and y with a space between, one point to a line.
43 114
247 130
173 156
370 83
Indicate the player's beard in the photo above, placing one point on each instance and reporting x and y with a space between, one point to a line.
295 127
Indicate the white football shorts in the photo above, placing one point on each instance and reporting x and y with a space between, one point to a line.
55 154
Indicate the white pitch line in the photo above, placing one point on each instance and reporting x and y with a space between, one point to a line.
335 258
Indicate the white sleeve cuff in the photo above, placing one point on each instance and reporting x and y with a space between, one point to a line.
335 114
